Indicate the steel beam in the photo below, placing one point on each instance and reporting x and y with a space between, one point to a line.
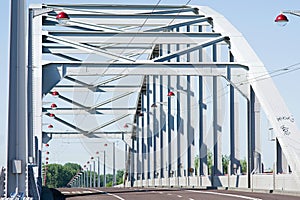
17 152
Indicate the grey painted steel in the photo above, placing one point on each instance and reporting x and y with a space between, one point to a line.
179 52
17 110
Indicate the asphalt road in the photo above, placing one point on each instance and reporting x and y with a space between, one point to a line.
166 194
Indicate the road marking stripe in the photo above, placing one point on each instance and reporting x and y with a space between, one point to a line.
179 196
116 196
224 194
65 192
191 199
85 192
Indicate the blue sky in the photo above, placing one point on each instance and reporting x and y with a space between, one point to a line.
277 47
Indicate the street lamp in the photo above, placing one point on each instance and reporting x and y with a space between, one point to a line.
62 18
171 94
282 19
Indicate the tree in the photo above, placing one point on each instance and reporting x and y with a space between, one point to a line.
225 163
209 162
59 175
244 165
196 164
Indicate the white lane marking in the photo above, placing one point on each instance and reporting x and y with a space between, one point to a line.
191 199
160 192
179 196
76 192
116 196
169 194
86 192
65 192
224 194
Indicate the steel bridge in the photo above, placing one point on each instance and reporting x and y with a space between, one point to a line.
165 79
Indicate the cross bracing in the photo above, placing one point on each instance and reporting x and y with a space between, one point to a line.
110 64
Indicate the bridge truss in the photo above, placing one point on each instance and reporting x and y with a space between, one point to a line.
166 79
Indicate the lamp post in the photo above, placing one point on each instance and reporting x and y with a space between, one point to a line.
91 177
104 168
88 174
98 170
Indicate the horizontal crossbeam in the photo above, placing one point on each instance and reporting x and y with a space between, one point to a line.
157 68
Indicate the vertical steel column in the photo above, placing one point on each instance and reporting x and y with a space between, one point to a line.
143 142
154 129
87 176
84 183
98 159
162 125
254 156
104 169
138 149
132 158
281 163
94 168
148 146
254 137
234 124
203 170
17 138
217 128
135 152
189 133
178 127
169 140
91 175
114 163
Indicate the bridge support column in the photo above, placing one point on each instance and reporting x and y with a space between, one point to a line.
162 125
217 129
254 150
147 132
168 133
17 152
202 148
281 162
234 126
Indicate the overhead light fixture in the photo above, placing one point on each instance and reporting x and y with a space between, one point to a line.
171 94
55 93
281 20
153 105
51 115
62 18
53 106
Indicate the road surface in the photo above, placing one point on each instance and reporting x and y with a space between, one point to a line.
165 194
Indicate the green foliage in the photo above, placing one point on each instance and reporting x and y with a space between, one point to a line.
59 175
244 165
209 162
225 163
119 177
196 164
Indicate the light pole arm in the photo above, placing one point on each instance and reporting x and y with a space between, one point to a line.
292 12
